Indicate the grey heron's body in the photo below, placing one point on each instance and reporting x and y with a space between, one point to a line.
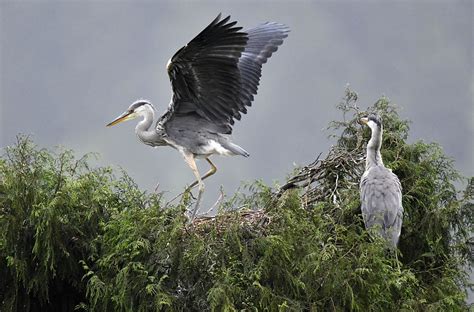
380 190
208 140
180 133
214 78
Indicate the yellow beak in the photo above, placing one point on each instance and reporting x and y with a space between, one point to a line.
364 120
124 117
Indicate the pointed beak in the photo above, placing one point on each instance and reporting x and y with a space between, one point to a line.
364 120
124 117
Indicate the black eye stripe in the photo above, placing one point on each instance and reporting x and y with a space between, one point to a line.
375 119
138 104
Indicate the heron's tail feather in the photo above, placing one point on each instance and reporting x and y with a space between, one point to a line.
234 148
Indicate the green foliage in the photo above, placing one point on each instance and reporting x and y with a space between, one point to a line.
52 207
76 236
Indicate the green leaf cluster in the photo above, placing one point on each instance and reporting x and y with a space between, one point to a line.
51 208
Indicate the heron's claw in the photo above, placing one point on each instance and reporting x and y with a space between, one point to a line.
196 207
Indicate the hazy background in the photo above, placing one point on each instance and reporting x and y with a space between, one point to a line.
67 68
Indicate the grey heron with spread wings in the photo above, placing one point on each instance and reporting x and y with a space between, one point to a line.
380 189
214 79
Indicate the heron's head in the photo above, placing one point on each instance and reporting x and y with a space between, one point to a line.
137 109
373 121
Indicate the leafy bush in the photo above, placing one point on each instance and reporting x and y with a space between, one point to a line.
52 206
78 237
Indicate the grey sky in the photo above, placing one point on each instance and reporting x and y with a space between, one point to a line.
68 68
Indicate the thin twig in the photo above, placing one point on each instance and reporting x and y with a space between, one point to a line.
219 199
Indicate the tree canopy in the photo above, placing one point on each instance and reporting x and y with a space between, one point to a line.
75 236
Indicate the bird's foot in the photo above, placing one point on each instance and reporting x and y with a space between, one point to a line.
196 205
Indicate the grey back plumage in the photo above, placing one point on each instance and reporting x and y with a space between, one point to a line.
381 203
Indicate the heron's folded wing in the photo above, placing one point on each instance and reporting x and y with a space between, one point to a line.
372 206
392 191
394 210
381 202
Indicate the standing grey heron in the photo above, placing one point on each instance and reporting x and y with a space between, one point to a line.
214 78
380 189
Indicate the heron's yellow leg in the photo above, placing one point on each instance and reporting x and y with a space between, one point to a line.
207 175
189 158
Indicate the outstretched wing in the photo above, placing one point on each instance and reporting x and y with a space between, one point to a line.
381 202
263 42
217 73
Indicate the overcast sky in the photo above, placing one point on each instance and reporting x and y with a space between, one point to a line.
70 67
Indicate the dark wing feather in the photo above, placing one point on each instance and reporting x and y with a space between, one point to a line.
204 74
217 74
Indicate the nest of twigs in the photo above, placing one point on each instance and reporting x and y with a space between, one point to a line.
322 179
249 219
342 168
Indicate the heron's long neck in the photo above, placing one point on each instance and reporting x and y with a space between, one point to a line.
374 158
143 127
